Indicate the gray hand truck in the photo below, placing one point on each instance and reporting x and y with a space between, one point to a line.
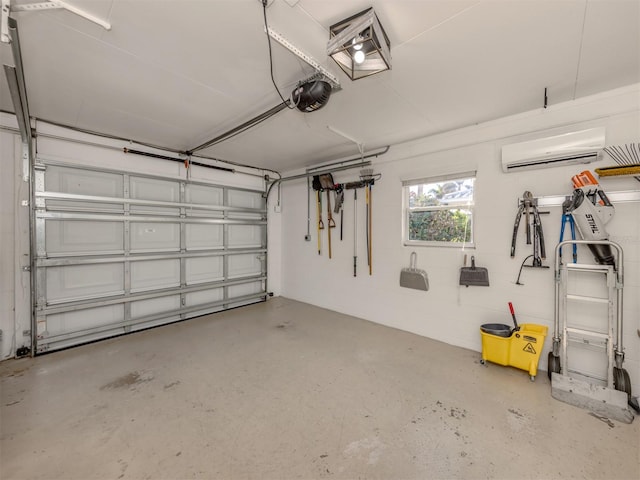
568 382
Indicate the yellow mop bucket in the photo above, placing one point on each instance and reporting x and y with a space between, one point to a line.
519 348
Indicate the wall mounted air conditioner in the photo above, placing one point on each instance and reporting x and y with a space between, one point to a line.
583 146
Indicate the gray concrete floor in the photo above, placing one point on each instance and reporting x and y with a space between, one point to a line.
286 390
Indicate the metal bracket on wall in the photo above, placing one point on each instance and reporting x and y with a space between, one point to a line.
615 197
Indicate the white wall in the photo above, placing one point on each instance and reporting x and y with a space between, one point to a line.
448 312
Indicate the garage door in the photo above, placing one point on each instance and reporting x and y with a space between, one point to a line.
120 251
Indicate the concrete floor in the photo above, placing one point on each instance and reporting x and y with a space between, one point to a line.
285 390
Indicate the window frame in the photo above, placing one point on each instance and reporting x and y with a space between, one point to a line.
407 210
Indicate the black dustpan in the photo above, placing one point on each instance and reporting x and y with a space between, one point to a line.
475 276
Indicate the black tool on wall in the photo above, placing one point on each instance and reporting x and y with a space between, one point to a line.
355 231
528 206
339 189
318 188
355 186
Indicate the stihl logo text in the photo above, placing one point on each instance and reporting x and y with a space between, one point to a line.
592 223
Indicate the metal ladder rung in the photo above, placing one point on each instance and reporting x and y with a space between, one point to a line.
588 333
586 344
584 298
588 268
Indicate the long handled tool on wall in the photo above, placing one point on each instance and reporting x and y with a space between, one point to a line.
307 237
338 208
355 231
370 229
318 188
355 186
330 222
366 213
320 222
366 175
326 183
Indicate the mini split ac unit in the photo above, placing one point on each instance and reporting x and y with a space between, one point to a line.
584 146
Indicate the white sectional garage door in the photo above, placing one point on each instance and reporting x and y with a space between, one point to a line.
120 251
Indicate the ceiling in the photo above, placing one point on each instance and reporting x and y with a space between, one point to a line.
179 73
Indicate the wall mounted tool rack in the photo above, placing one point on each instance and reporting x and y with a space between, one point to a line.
625 196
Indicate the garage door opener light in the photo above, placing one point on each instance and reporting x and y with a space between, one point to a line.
359 45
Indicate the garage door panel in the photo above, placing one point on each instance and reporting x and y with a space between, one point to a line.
154 189
84 237
204 269
204 195
79 320
74 282
245 236
155 274
143 308
83 182
245 289
155 237
109 268
204 236
245 265
157 190
204 296
244 199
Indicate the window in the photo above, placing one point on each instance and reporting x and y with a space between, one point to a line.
439 210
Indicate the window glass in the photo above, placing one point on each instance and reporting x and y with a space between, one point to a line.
439 211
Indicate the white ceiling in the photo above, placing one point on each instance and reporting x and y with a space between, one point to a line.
179 73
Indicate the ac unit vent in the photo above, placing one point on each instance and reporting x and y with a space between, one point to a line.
583 146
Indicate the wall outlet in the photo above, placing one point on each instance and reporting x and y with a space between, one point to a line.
277 208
